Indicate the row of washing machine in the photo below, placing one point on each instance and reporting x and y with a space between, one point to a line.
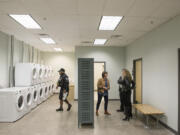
28 74
15 102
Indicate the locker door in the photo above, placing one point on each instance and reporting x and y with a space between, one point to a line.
85 91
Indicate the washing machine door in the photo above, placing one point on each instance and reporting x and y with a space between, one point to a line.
35 95
34 73
46 90
41 92
49 88
29 99
40 73
20 102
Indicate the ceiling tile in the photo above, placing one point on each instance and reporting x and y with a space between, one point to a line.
143 8
90 7
168 8
117 7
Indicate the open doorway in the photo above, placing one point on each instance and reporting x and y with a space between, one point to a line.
137 67
99 67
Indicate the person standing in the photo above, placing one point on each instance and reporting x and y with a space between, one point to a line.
121 95
103 86
63 83
127 85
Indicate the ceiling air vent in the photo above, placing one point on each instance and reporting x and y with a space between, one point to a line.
43 35
116 36
86 42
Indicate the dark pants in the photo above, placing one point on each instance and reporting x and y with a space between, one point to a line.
100 96
121 100
127 103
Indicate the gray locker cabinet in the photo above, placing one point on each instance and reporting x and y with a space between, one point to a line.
85 91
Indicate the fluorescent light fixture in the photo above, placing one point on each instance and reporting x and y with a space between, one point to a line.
58 49
48 40
26 20
110 22
100 41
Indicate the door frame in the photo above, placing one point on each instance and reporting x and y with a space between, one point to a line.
178 91
134 76
101 62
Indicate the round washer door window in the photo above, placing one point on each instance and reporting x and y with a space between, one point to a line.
34 73
28 100
20 103
46 90
41 92
35 96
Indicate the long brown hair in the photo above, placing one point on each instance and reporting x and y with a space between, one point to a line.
128 74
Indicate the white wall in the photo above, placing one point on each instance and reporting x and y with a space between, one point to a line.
159 50
4 62
13 51
114 58
60 60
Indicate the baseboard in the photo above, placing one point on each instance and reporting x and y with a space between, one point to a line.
166 126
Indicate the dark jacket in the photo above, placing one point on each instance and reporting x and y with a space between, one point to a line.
125 84
63 82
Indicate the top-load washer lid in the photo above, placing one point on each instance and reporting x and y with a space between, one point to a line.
20 103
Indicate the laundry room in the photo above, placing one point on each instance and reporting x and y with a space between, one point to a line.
89 67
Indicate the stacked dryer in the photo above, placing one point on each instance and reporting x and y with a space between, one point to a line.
38 77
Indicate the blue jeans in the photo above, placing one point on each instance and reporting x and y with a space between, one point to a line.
100 96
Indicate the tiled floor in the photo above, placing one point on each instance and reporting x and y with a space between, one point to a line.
44 120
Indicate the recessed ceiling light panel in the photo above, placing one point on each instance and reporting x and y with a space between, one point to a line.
100 41
58 49
110 22
48 40
26 20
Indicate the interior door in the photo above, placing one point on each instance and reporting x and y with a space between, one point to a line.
138 81
99 67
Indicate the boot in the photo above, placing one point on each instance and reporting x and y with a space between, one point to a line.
107 113
59 109
69 107
126 118
97 113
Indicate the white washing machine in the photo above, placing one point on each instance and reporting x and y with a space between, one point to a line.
49 89
34 96
53 86
39 73
12 104
28 99
44 74
46 92
25 74
40 94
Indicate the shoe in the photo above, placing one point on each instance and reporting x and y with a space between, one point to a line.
107 113
126 119
69 107
59 110
120 110
97 113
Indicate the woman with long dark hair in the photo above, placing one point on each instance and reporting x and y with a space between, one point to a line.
127 85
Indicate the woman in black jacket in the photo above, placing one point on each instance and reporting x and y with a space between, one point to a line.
127 85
